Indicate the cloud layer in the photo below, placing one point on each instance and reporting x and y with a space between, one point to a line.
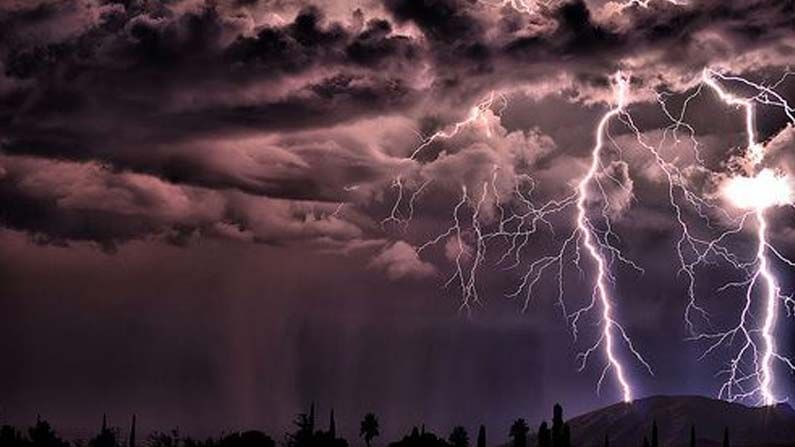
286 122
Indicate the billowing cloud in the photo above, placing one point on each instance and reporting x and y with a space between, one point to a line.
400 260
259 121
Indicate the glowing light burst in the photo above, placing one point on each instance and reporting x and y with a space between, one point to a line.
749 188
749 375
763 191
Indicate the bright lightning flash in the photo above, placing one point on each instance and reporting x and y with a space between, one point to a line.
520 219
584 226
753 190
757 193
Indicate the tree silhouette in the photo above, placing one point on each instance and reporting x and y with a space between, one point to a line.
459 437
311 418
10 436
544 435
106 436
163 439
42 435
131 442
557 426
304 434
420 438
518 433
329 438
368 429
251 438
655 440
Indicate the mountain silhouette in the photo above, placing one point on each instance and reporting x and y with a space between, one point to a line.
627 424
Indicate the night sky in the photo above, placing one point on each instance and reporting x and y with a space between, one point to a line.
193 197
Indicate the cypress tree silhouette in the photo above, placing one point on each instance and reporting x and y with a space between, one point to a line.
312 417
655 440
132 433
544 435
692 436
645 441
607 440
332 426
726 437
106 436
566 437
557 426
482 436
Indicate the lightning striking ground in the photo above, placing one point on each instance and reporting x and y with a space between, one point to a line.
520 218
749 375
756 190
753 189
609 326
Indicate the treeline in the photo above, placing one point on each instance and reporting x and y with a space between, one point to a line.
305 433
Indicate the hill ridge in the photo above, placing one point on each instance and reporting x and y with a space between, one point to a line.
627 423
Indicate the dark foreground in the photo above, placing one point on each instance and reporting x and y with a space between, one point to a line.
662 421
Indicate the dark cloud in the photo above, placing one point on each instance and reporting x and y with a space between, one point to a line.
181 92
445 21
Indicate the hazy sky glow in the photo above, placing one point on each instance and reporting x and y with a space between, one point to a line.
213 213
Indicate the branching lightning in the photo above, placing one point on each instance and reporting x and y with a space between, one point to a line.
609 325
750 374
519 219
476 114
487 223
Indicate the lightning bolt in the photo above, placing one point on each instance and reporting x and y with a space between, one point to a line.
609 324
520 219
762 371
750 371
476 114
749 374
